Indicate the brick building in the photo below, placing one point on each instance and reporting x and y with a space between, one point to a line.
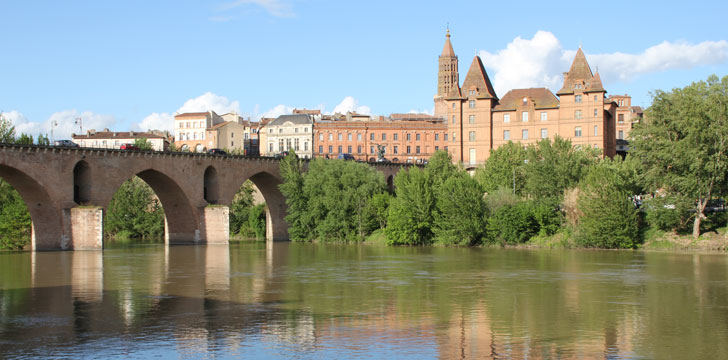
478 121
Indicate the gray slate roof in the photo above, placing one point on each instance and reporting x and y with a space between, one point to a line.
303 119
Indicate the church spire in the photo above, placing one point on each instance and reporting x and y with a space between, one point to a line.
447 77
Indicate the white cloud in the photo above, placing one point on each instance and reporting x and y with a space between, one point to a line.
157 121
209 101
661 57
524 63
276 8
351 104
277 111
63 123
541 61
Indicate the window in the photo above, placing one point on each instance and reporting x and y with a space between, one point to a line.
621 118
280 145
331 137
506 118
339 148
246 136
295 130
445 137
305 129
437 137
524 134
349 137
621 135
544 133
384 136
371 149
409 137
544 116
270 147
280 131
471 119
595 112
340 136
445 148
453 105
471 136
471 104
577 114
358 149
453 119
577 98
305 146
577 131
396 136
321 137
453 137
524 116
409 150
596 132
396 149
471 92
295 144
506 134
331 149
371 136
595 98
270 131
232 135
417 137
437 148
472 156
417 149
348 149
358 137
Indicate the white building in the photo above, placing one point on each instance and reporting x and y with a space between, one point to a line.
288 132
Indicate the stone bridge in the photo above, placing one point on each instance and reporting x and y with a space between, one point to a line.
67 191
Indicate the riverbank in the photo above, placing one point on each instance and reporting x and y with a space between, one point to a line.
655 240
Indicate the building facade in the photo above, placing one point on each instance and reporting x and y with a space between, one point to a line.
404 138
114 139
478 121
202 131
285 133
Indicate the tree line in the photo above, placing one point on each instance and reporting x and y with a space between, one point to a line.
550 191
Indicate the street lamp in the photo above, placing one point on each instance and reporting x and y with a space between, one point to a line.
53 124
80 124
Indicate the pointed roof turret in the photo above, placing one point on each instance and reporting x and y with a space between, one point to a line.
477 77
579 73
447 50
596 83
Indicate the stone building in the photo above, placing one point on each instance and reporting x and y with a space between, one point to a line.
114 139
285 133
201 131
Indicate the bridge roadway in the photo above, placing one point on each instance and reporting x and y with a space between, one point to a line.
67 191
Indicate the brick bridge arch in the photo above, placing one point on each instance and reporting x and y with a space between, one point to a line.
67 191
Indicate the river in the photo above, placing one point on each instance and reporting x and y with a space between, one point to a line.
308 301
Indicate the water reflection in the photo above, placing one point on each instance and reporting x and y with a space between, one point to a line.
313 301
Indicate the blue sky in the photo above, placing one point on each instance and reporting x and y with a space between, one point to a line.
133 64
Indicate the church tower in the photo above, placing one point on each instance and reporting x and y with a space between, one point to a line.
447 76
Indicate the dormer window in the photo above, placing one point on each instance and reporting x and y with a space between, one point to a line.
525 101
471 92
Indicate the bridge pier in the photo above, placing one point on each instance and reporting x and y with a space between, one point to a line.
216 224
86 228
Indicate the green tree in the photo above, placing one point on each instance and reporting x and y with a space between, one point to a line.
461 211
504 168
15 224
554 166
683 143
43 140
135 211
411 213
143 144
512 224
240 207
609 218
7 130
300 222
24 139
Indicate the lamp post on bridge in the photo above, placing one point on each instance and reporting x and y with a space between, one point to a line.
53 125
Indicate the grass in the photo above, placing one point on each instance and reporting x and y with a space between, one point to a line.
378 237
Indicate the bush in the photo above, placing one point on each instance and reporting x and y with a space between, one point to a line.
15 225
668 213
609 218
512 224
